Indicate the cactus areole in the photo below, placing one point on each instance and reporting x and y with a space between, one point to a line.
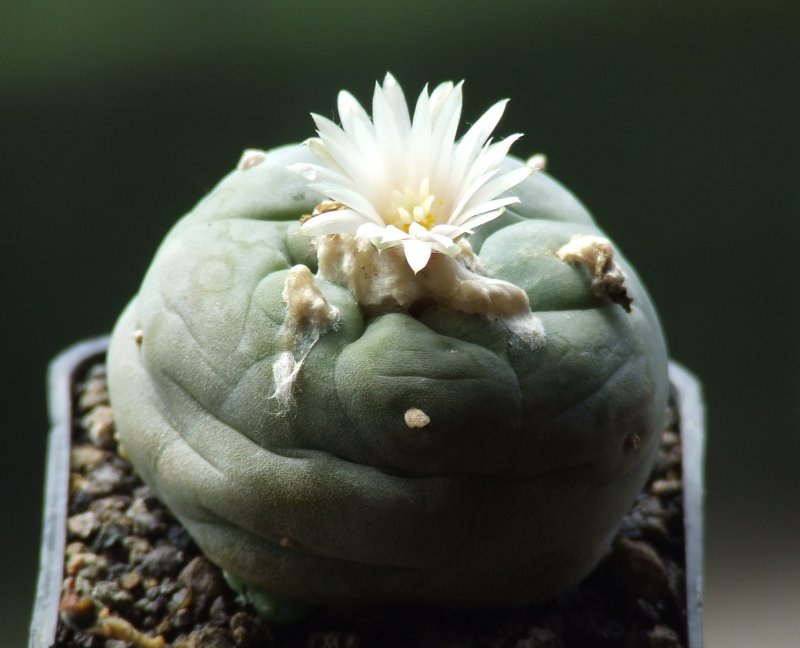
392 364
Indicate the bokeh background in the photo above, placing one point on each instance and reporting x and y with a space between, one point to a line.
675 122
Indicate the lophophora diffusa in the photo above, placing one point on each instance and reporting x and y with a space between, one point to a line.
392 364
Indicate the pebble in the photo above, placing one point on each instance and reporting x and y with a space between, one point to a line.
144 521
83 525
111 510
164 560
663 637
110 538
104 480
218 612
88 566
208 637
666 487
669 439
641 568
109 593
131 580
94 392
137 548
86 457
99 423
204 581
74 548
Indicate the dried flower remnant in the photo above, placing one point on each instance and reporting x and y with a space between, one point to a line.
596 254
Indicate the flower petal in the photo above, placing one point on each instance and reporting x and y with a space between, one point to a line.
392 233
503 183
350 197
476 221
417 253
483 207
333 222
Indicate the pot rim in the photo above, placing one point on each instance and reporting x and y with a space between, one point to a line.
61 373
691 412
68 364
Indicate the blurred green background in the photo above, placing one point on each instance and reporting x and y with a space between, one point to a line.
675 122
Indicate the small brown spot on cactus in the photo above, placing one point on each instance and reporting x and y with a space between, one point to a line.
289 543
416 418
138 336
632 442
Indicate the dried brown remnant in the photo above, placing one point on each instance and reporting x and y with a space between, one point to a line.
382 281
328 206
324 207
596 254
306 305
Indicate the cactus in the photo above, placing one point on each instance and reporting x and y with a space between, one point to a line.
336 424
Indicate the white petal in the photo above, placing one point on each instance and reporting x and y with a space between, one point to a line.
349 197
483 207
492 155
392 233
417 253
439 97
417 231
465 196
397 102
449 231
470 145
420 145
444 243
501 184
351 112
445 127
333 222
476 221
358 126
343 150
319 149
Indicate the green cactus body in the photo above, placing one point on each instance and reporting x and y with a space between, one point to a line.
509 493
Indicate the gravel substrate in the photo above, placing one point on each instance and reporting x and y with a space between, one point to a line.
133 576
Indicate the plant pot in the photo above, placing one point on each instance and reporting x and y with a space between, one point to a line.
68 366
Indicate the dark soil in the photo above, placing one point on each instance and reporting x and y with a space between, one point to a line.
133 576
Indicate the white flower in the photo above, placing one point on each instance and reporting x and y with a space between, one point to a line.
408 182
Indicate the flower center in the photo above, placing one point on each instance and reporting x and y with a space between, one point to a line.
413 206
